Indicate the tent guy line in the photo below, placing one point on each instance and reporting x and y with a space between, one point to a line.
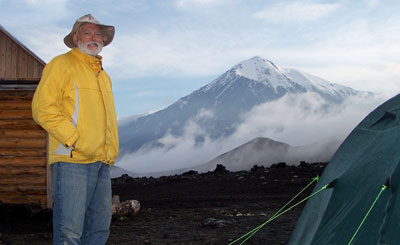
384 187
282 210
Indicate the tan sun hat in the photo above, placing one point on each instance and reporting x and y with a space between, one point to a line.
108 31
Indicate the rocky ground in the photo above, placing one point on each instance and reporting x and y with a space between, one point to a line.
209 208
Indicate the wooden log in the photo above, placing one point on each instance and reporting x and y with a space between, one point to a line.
23 180
18 133
37 171
23 143
23 162
17 114
23 190
16 95
15 105
22 152
126 208
115 199
23 199
19 124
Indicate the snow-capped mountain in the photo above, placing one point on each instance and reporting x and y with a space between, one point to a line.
218 107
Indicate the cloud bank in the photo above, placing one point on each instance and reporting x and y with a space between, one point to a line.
296 120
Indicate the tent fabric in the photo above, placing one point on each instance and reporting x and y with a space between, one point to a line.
366 160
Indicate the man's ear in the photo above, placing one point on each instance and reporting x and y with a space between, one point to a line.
75 39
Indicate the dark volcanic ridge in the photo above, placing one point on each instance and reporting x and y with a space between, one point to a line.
193 189
214 207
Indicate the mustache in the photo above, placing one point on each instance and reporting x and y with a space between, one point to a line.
92 42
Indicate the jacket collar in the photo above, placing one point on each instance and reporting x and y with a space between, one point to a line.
94 62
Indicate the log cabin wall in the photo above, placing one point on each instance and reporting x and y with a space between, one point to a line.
24 174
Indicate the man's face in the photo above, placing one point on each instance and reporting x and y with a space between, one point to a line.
89 39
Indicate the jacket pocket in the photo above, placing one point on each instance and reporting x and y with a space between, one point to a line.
62 150
83 150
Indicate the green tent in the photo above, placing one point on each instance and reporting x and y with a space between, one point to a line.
366 163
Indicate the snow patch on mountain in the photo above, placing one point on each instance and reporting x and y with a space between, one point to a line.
267 73
264 71
311 82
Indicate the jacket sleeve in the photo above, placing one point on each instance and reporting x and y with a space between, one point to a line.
47 105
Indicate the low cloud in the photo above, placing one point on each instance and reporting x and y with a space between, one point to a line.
295 120
306 119
178 152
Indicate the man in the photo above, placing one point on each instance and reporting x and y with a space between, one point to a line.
74 104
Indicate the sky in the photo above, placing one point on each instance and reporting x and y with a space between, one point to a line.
165 49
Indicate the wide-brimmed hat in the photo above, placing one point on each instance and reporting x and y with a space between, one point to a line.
108 31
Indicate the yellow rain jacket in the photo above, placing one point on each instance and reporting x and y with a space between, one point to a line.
74 103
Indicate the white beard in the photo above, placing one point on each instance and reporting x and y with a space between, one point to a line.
84 48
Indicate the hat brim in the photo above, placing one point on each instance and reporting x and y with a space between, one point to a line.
107 31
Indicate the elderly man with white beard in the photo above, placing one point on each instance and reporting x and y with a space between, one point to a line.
74 103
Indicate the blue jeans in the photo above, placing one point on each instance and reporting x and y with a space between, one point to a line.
82 203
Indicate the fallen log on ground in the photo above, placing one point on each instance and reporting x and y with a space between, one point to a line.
125 208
